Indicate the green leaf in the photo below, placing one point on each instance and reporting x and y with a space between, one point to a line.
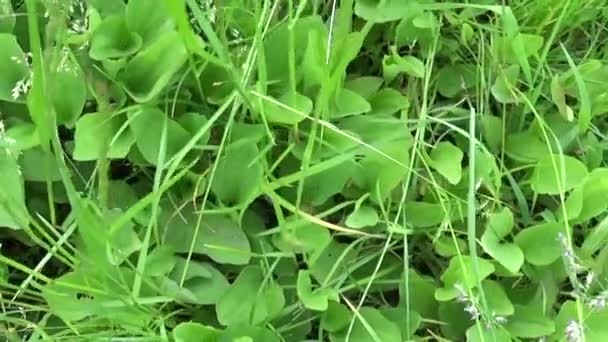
526 147
13 67
492 130
362 216
336 317
381 11
349 103
147 18
38 165
504 88
195 332
376 328
290 109
12 193
556 173
160 261
240 158
68 93
313 299
388 101
394 65
421 296
218 236
498 301
244 333
498 227
594 324
23 134
365 86
454 79
302 236
192 122
399 317
595 195
7 17
423 214
379 175
147 123
498 334
202 283
529 322
447 160
551 249
251 299
112 39
101 135
460 273
152 69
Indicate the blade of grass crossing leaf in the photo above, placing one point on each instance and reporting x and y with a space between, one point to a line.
153 223
584 113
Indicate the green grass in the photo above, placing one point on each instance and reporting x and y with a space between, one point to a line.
280 170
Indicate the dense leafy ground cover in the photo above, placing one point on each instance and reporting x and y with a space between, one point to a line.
290 170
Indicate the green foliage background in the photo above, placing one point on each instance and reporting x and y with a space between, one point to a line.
282 170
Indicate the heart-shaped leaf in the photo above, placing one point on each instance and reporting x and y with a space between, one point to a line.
290 108
447 160
194 332
381 11
217 236
152 69
14 69
362 216
228 184
313 299
555 174
147 18
147 124
112 39
12 198
7 17
498 227
551 249
251 299
101 135
459 273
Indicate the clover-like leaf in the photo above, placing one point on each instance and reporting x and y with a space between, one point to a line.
290 108
498 227
218 236
147 18
555 174
152 69
349 103
13 68
240 158
376 327
201 283
381 11
194 332
388 101
447 160
548 233
362 216
147 125
317 299
112 39
459 273
101 135
504 88
7 17
251 299
12 198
